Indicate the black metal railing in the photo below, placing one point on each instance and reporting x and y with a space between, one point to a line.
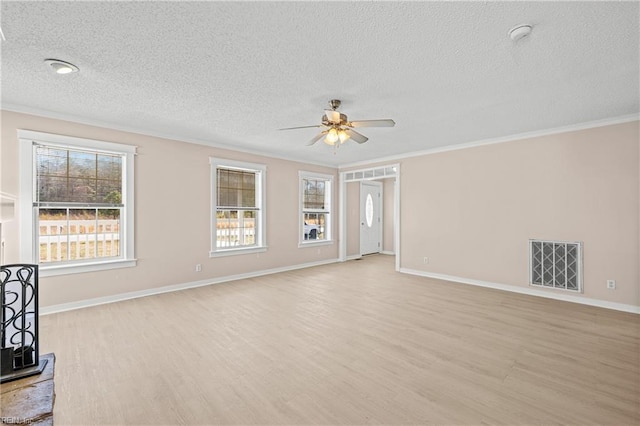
19 322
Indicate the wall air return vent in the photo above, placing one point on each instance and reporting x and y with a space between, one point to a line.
555 264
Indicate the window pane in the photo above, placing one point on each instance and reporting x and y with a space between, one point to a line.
51 161
236 188
249 228
222 229
236 228
235 179
223 197
52 188
77 176
314 197
110 167
232 197
109 192
109 179
81 190
314 226
311 187
77 234
227 227
248 180
52 235
223 178
82 164
82 233
108 233
248 198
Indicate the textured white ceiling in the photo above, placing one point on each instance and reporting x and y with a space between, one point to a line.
232 73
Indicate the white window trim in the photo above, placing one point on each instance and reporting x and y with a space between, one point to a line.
329 220
26 140
261 202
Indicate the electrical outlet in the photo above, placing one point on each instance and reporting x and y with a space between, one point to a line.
611 284
198 268
425 260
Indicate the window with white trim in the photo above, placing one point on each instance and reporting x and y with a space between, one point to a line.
238 216
315 207
77 206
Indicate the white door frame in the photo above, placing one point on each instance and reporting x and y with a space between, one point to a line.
379 186
388 171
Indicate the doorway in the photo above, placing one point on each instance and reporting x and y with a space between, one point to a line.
349 223
370 217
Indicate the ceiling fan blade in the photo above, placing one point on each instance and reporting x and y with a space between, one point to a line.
301 127
357 137
332 116
372 123
317 138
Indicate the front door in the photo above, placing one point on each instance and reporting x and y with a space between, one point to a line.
370 217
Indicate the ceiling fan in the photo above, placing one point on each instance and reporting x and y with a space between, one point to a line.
337 129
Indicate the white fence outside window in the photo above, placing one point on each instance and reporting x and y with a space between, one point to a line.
61 240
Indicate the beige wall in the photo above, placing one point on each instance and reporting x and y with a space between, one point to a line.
172 214
472 211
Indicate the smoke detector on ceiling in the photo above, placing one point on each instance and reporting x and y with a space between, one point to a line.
519 32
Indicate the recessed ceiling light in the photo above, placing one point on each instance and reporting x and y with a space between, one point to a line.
519 32
61 67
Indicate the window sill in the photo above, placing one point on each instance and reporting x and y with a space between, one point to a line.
237 251
308 243
54 270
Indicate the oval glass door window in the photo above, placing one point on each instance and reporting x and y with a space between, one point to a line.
369 210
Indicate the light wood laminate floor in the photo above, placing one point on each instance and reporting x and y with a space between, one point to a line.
349 343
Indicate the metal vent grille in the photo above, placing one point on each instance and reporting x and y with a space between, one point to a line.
555 264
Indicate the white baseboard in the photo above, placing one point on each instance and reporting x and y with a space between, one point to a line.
359 256
177 287
529 291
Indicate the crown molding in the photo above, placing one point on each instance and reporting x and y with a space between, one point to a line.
491 141
228 146
130 129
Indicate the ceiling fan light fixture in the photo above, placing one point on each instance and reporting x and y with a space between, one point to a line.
332 137
338 129
343 136
61 67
